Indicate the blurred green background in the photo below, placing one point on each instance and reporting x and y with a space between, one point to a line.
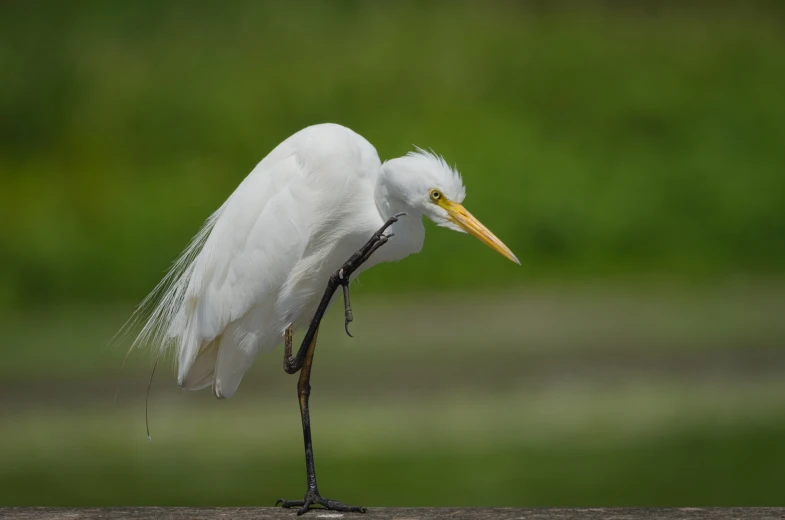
630 153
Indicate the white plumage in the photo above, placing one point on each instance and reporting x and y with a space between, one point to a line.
262 260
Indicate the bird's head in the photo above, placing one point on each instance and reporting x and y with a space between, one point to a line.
425 183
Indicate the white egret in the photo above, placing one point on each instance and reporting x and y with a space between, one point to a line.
311 215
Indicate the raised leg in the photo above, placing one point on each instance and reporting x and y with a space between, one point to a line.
340 277
303 362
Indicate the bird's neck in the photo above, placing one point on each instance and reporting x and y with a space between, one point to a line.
387 204
409 231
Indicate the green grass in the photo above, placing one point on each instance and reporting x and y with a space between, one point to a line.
629 155
593 396
670 471
596 140
631 321
643 445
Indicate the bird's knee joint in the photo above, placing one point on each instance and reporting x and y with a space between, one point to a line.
339 277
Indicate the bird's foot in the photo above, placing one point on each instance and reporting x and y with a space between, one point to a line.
377 240
314 499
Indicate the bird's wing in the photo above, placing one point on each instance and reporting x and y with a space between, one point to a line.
239 260
221 299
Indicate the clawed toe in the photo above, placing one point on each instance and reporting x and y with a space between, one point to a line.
287 504
306 507
333 505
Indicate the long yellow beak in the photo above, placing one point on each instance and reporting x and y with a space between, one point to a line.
466 221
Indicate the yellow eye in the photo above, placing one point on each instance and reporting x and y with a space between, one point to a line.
436 195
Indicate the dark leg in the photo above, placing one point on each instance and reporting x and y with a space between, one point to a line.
303 361
312 495
341 277
347 306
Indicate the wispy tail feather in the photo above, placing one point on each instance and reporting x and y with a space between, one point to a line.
166 322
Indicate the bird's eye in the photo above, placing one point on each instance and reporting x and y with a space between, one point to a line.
436 194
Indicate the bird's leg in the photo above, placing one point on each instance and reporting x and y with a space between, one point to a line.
287 347
303 361
347 306
312 495
294 363
377 240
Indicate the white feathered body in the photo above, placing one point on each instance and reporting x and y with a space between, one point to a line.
262 261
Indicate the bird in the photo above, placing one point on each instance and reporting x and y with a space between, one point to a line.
317 211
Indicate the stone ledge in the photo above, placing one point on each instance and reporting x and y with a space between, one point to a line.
382 513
